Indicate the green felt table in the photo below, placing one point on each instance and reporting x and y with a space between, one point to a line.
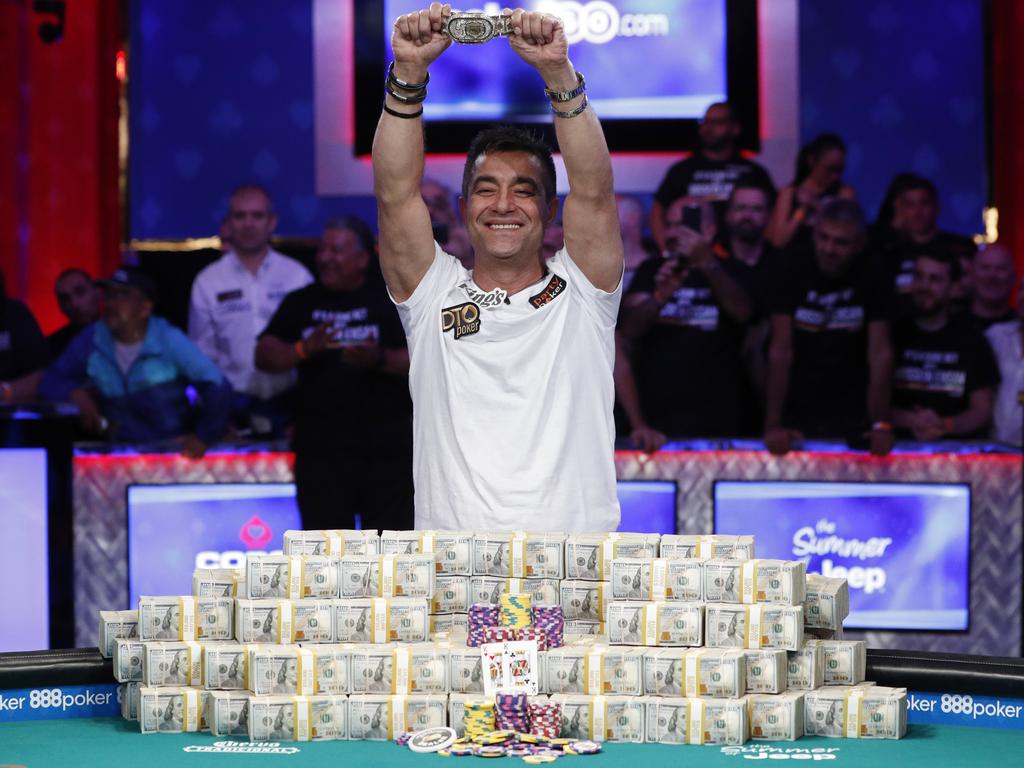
95 742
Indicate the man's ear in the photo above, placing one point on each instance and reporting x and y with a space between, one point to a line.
462 208
552 211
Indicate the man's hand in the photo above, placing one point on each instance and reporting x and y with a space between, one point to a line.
647 439
880 441
417 40
192 447
320 339
363 355
926 425
694 247
668 279
780 440
539 40
89 416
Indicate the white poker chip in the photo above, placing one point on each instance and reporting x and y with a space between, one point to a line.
432 739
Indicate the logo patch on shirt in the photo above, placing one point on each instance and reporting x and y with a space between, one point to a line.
489 299
229 295
551 291
464 319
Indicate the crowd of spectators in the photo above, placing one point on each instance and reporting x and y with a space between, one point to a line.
747 312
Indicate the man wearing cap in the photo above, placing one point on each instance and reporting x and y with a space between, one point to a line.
128 374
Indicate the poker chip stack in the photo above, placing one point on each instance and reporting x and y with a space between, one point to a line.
498 634
478 718
550 619
534 633
515 610
512 712
545 718
481 616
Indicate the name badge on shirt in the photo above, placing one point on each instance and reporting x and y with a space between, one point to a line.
229 295
551 292
463 319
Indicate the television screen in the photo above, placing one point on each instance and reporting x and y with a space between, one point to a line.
25 600
904 548
173 529
652 69
648 506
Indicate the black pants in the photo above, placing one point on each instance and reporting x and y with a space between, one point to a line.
335 482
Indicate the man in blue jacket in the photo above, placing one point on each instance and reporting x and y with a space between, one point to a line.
129 374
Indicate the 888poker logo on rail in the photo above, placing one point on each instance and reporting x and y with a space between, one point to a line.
59 703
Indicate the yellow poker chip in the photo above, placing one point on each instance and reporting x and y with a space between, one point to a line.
443 753
532 738
490 750
538 759
559 742
495 737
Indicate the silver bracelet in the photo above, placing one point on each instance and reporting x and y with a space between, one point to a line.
572 112
568 95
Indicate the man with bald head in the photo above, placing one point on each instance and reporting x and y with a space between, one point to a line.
234 298
992 282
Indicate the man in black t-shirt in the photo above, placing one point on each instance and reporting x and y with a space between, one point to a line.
830 356
23 350
353 420
79 299
945 373
710 173
678 367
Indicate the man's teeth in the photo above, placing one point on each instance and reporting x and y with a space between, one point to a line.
504 226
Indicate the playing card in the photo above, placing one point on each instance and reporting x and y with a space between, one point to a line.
510 667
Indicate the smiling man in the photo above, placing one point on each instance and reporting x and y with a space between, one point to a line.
511 363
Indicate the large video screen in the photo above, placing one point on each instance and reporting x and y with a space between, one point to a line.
173 529
903 547
647 506
652 69
25 599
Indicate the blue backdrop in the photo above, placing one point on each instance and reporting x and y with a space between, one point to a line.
222 92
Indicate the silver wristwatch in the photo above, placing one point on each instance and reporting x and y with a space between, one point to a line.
475 28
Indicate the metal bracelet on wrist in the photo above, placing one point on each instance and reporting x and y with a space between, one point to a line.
393 79
568 95
476 28
572 112
402 98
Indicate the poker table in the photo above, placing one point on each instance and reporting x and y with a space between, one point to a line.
965 711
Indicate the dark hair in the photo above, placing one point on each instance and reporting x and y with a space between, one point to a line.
768 192
72 271
508 138
357 227
938 254
842 211
727 105
809 154
902 182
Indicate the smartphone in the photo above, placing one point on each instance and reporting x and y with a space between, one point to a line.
692 217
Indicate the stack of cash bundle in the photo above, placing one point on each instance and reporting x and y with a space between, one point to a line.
674 639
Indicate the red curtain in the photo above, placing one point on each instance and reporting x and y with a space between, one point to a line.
1007 122
58 133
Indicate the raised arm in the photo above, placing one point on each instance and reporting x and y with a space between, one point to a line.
590 217
406 239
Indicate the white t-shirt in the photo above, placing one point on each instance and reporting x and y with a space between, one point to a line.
1008 414
231 306
512 400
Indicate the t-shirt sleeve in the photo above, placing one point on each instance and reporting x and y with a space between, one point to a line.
601 305
784 294
984 370
643 279
674 185
31 352
287 322
439 278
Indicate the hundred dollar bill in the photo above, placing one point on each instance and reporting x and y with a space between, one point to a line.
451 594
185 618
457 711
577 628
264 621
322 717
859 712
666 720
128 693
378 718
715 673
663 672
614 671
225 666
218 582
227 713
465 669
718 721
754 626
776 717
723 581
696 547
519 555
372 668
766 671
333 663
172 663
656 579
169 710
773 581
845 661
563 669
588 556
452 550
664 623
420 668
282 670
449 626
127 660
381 620
805 668
292 576
114 625
488 589
817 633
387 576
331 543
601 718
827 602
313 621
584 600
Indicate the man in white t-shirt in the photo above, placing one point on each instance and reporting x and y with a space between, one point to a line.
234 298
511 364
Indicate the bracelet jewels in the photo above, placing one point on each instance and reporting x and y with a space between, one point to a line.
416 98
572 112
563 96
405 86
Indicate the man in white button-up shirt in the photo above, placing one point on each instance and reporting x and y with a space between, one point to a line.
234 298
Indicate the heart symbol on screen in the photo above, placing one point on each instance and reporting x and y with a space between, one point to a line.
255 534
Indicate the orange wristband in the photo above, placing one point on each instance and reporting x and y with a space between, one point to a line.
300 349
